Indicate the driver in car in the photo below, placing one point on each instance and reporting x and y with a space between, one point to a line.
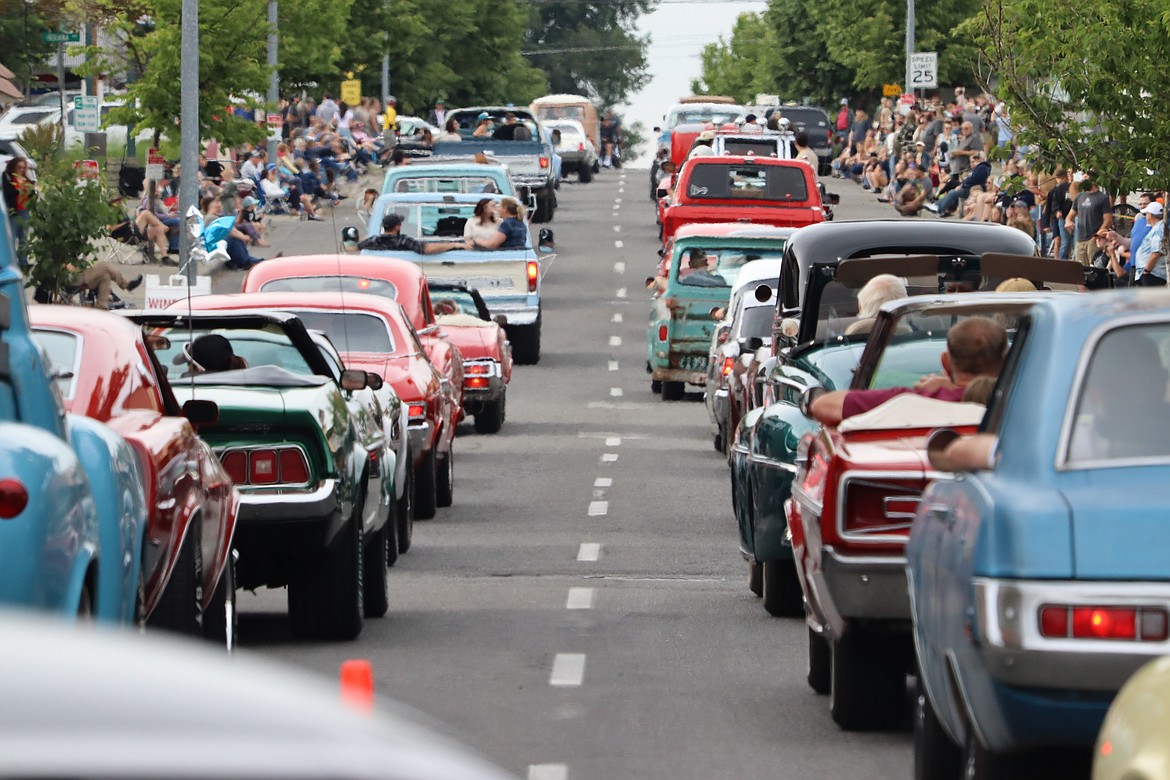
211 353
698 271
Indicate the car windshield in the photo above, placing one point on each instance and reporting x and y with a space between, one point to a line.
269 346
353 284
747 181
805 118
462 185
447 302
832 366
699 116
63 351
1131 420
756 321
560 112
351 331
701 267
432 220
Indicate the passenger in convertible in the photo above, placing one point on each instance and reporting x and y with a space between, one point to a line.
976 347
391 238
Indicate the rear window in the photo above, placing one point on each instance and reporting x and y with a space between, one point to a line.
353 284
747 182
351 331
757 322
456 184
763 147
704 267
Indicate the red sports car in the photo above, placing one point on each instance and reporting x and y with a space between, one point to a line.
107 371
372 334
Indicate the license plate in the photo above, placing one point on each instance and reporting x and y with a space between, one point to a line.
486 283
693 362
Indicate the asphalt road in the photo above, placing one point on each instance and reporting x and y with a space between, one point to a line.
582 610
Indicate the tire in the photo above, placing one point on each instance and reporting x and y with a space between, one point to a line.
756 577
404 510
327 599
180 608
782 597
597 166
656 386
490 418
221 619
375 583
544 209
673 391
868 687
935 756
526 343
445 471
425 487
819 664
585 174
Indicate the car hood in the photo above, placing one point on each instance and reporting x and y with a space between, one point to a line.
474 342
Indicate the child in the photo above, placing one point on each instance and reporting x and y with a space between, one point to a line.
366 204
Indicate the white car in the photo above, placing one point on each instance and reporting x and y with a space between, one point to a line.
22 116
44 109
576 150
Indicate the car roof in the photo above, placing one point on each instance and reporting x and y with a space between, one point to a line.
766 269
405 275
287 301
839 239
560 99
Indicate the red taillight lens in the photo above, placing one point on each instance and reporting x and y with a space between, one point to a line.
662 333
1141 624
262 467
1104 623
13 498
543 162
476 382
533 275
294 470
482 369
1054 621
236 465
416 412
882 506
728 366
580 147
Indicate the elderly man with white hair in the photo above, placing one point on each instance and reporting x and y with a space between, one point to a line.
879 290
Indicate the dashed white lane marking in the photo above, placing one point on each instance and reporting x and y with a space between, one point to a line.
621 292
617 244
548 772
613 365
619 267
598 508
619 200
580 598
609 457
615 341
617 228
589 551
615 392
603 482
568 670
617 317
613 441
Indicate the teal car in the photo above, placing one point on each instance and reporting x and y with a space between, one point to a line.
698 269
453 177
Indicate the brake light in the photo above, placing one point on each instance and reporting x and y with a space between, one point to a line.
262 467
543 162
294 469
580 147
478 368
533 275
1135 624
416 412
13 498
476 382
884 506
662 333
236 465
728 366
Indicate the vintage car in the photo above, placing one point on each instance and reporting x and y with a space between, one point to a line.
107 371
72 495
759 190
686 297
448 175
578 154
464 319
698 111
314 495
1038 580
372 334
745 327
576 108
508 279
1132 743
820 304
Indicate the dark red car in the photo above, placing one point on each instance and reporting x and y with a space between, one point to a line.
107 371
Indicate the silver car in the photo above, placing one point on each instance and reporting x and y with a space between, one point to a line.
576 150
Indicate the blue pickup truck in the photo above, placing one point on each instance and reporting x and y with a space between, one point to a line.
72 501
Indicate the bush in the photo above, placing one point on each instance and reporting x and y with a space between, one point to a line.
67 214
43 142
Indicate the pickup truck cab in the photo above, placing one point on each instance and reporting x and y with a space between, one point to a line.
449 175
523 148
759 190
699 110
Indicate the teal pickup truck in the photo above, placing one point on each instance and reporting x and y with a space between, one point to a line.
444 176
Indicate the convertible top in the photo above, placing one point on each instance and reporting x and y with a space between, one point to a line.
259 376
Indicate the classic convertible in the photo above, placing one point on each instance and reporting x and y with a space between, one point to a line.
106 370
314 496
1038 577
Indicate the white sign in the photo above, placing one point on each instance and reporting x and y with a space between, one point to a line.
155 165
87 116
923 70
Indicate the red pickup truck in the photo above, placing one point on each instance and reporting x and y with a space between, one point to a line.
758 190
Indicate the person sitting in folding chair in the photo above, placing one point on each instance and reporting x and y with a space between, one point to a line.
128 246
98 277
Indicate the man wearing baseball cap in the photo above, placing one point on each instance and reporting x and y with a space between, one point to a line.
1148 262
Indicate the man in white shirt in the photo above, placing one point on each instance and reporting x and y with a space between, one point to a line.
253 167
327 110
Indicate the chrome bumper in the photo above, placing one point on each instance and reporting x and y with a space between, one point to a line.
717 404
420 438
866 586
288 505
517 313
679 375
494 389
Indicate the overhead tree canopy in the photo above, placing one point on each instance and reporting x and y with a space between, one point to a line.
21 41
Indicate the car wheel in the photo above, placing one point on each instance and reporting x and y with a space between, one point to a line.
868 685
425 486
445 471
490 418
180 607
935 756
221 620
326 600
585 174
756 577
375 580
544 209
819 663
526 343
781 587
656 386
404 511
673 391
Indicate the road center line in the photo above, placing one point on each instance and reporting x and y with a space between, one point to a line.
580 598
621 292
617 317
548 772
613 441
619 267
617 228
619 200
613 365
615 392
617 244
609 457
589 551
603 482
615 341
568 670
598 508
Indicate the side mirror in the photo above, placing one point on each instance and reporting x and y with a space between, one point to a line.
374 381
832 198
545 240
936 445
199 412
661 192
807 396
352 379
500 320
764 293
789 328
350 238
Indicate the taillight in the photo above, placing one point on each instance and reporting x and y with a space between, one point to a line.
416 412
267 466
294 469
533 275
728 366
482 369
580 147
236 465
1135 624
881 506
262 467
476 382
543 162
13 498
662 333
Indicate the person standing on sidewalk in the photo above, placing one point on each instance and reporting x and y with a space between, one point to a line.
1091 210
18 195
1149 263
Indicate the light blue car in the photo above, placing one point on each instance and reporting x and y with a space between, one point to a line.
458 176
1040 580
72 502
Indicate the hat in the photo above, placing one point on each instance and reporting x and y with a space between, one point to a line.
210 352
1154 208
440 102
920 143
391 99
844 101
750 118
482 116
255 153
250 202
1020 204
270 166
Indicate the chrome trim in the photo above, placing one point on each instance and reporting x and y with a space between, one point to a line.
865 586
491 363
880 534
324 489
772 462
804 499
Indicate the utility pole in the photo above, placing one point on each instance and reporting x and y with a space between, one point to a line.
189 130
909 42
273 76
61 86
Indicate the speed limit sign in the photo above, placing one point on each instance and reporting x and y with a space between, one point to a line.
923 70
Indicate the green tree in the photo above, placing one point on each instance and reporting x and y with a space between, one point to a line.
590 48
21 41
804 66
742 66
